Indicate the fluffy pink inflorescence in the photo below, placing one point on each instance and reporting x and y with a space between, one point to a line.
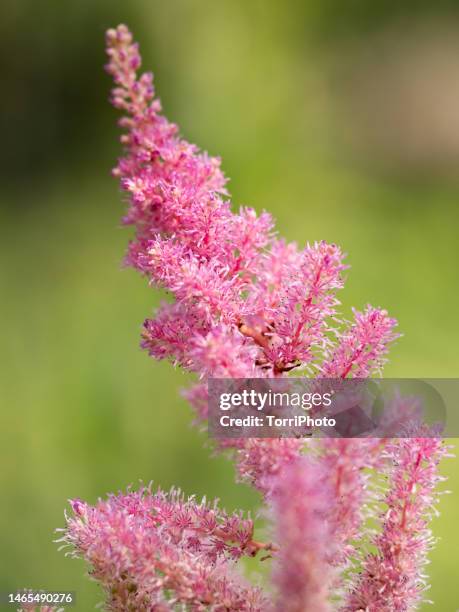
230 276
347 463
362 348
359 353
246 304
151 551
228 273
302 572
392 579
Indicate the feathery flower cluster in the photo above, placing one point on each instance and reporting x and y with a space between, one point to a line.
392 579
247 304
302 568
142 546
347 463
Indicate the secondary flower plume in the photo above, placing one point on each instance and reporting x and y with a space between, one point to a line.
246 304
152 550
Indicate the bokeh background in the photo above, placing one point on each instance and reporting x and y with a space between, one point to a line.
341 118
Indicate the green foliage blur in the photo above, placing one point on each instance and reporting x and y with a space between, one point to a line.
342 119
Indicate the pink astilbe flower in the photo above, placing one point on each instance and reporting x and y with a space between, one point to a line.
362 349
346 464
231 278
246 304
190 243
302 572
153 551
392 579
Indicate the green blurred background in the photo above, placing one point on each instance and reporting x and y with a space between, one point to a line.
342 119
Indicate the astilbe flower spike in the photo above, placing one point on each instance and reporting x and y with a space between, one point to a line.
142 545
246 304
392 579
360 351
302 572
